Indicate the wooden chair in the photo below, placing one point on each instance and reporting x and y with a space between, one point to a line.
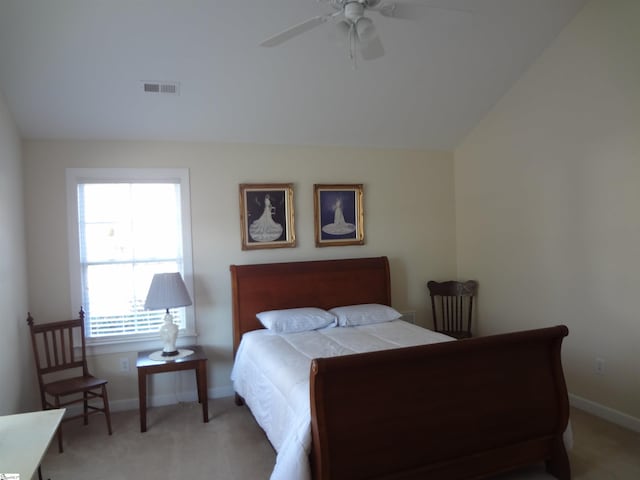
63 376
452 306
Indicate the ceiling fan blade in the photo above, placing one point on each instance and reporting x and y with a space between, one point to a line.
295 30
372 49
411 11
404 11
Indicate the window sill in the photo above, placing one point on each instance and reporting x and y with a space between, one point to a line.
138 344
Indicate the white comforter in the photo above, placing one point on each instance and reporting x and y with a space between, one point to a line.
271 373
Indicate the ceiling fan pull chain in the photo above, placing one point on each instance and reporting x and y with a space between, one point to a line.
352 44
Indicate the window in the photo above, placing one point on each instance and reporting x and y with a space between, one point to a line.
125 225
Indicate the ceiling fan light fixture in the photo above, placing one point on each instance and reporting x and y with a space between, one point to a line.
365 29
350 24
343 28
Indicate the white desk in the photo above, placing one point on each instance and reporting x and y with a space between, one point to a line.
24 439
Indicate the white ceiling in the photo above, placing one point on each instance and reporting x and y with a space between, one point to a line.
73 69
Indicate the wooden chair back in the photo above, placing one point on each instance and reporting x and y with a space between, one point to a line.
452 306
54 348
60 356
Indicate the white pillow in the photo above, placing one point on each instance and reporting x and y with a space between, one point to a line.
364 314
296 319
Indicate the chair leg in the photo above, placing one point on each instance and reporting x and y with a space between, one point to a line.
107 412
85 397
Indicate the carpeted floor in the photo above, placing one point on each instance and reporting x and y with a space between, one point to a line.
232 447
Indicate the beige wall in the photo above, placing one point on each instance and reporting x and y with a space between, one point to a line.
547 203
409 216
17 380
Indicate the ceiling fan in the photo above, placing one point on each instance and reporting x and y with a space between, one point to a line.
352 22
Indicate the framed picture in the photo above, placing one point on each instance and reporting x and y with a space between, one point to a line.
266 215
338 215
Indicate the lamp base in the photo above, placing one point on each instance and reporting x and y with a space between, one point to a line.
168 335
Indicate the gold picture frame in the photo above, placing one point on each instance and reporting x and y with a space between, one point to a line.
266 215
338 214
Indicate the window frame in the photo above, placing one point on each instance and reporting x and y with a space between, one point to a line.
76 176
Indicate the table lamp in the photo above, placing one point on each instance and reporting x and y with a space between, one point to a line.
167 291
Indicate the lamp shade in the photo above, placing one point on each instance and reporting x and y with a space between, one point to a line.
167 291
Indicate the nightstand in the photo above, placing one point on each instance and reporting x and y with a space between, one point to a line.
196 361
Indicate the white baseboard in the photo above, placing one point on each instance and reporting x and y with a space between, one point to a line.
606 413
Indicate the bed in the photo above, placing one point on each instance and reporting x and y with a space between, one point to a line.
447 410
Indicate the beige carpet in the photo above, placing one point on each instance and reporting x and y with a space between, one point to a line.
232 447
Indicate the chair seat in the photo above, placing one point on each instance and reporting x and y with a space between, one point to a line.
457 335
73 385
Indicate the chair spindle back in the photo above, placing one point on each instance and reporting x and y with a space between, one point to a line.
452 306
54 345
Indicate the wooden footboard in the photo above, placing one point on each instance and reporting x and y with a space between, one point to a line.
454 410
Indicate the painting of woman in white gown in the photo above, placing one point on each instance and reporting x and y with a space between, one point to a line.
339 215
265 228
267 216
339 226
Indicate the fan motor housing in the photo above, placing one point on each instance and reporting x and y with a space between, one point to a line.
353 11
366 3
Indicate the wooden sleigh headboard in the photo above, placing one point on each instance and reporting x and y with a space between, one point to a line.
322 283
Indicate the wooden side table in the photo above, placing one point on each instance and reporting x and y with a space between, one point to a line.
196 361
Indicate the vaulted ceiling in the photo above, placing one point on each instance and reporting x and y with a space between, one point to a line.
75 69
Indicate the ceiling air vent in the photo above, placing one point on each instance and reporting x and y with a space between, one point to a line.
169 88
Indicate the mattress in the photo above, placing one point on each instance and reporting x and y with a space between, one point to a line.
271 373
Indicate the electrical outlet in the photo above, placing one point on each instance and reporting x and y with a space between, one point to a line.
600 366
124 364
